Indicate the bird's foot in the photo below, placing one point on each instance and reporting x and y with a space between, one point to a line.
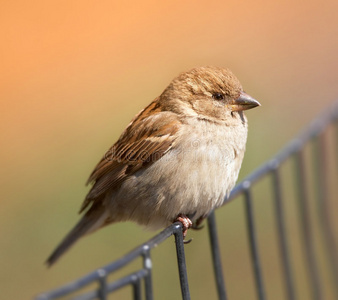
186 224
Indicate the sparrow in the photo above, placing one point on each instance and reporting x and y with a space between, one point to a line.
177 160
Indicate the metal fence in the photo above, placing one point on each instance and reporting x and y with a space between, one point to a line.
317 134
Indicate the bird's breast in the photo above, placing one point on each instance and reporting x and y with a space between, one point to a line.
193 177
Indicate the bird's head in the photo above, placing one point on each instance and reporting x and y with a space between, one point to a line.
209 92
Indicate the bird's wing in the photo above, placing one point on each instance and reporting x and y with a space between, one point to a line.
146 139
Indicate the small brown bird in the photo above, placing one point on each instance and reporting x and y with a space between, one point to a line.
176 161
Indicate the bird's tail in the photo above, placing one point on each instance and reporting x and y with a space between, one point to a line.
92 220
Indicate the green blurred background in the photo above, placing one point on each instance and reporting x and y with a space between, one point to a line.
73 74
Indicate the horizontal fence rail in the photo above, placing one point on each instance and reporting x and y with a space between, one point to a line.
315 133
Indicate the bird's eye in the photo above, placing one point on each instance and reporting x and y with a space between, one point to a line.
218 96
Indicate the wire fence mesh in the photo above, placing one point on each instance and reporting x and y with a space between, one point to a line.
314 176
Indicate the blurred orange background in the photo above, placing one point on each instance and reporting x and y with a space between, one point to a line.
73 74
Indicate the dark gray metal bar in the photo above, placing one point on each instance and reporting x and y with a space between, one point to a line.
130 279
216 257
116 285
303 200
147 264
102 291
253 242
280 222
182 267
320 165
137 290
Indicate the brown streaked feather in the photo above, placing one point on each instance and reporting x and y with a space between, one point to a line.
152 108
137 147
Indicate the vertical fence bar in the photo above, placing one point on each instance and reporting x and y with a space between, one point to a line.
147 264
102 291
216 257
320 170
137 290
280 221
306 226
182 267
253 242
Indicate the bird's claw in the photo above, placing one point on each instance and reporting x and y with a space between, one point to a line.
187 241
197 225
186 224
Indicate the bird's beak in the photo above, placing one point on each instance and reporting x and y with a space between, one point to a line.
244 102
